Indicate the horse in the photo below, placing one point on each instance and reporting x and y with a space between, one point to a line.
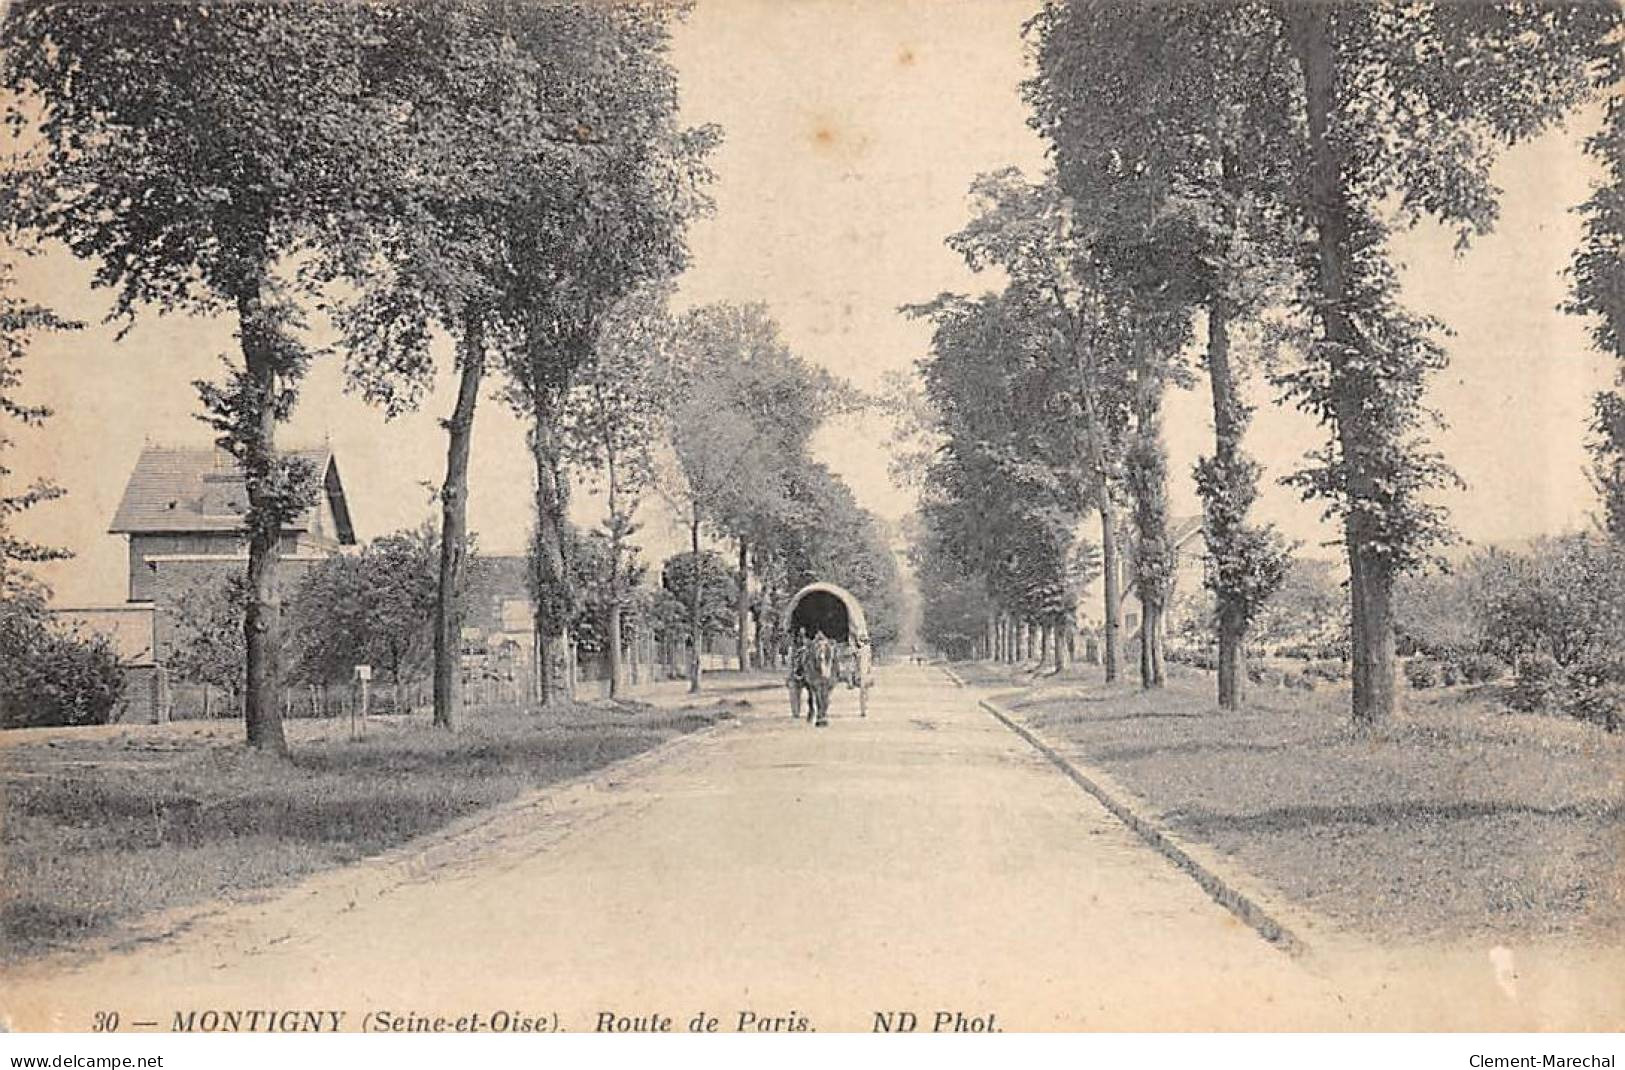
819 672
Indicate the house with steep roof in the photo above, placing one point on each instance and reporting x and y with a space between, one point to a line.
182 512
1190 562
182 505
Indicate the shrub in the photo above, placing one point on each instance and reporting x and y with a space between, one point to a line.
1564 600
48 677
1597 691
1422 673
1480 668
1540 683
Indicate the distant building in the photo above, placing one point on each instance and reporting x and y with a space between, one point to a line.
1190 562
182 512
185 505
499 627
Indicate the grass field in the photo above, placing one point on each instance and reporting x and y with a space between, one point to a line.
105 825
1456 821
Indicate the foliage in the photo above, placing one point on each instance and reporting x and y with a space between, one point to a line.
200 155
1598 286
49 676
746 410
1540 683
999 517
1565 599
19 322
206 644
1598 689
591 559
1422 672
716 582
1480 668
828 537
373 608
1307 609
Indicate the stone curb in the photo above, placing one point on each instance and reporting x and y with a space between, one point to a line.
1275 922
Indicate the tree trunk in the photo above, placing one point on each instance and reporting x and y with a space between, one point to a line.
1110 564
262 705
1228 422
448 610
742 607
1232 661
990 641
614 649
1058 644
1071 639
1156 615
1045 634
554 598
618 525
1370 580
696 633
1147 673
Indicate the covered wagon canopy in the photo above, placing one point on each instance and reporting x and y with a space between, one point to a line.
824 607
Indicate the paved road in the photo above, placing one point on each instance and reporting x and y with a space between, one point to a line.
922 860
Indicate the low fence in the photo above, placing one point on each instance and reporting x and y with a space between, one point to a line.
191 701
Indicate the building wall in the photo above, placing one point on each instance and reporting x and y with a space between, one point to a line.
143 547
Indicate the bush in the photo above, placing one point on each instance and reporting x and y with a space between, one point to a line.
1422 673
1596 691
1540 684
1563 599
48 677
1480 668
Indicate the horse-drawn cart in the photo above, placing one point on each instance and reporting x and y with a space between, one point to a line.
823 611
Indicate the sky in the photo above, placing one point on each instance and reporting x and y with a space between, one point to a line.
851 134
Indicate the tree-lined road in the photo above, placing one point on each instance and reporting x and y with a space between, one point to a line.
923 860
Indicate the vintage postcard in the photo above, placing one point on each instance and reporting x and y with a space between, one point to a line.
917 516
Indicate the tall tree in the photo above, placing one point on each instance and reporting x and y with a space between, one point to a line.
478 130
1063 295
1003 492
1176 107
534 137
192 152
746 409
616 419
1363 114
1403 105
575 258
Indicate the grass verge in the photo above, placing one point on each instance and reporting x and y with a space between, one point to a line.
1456 820
99 831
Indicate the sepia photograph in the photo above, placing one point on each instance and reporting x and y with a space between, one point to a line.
813 516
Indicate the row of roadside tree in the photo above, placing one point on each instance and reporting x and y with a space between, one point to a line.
507 181
1226 180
